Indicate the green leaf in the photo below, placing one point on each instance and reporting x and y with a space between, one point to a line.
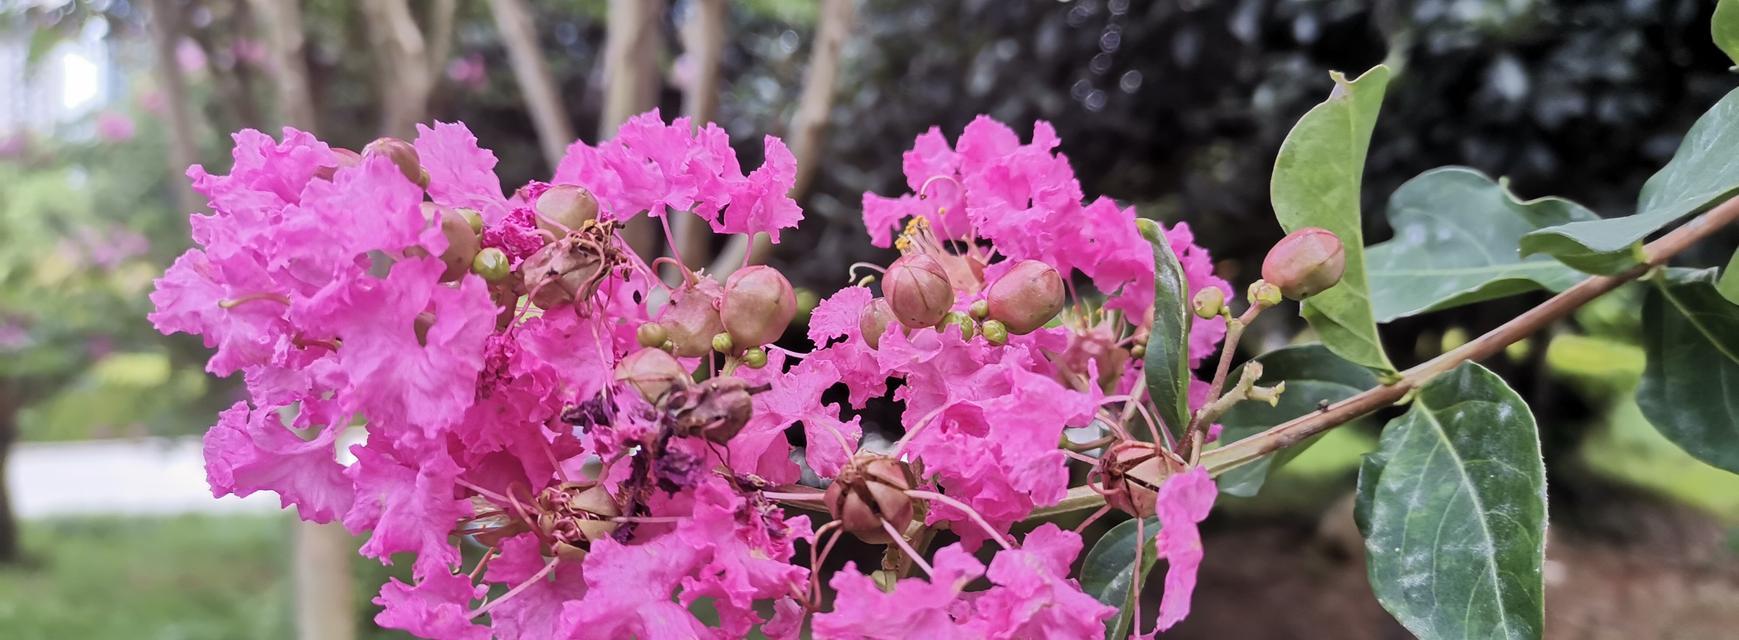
1167 362
1456 233
1700 174
1690 389
1729 284
1725 27
1453 508
1316 184
1106 572
1312 374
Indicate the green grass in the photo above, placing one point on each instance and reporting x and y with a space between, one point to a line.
178 578
186 578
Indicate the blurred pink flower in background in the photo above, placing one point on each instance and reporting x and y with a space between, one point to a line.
190 56
469 72
114 126
13 334
151 100
13 145
248 51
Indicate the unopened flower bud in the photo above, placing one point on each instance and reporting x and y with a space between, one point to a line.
692 319
1305 262
755 357
722 342
472 218
716 409
1026 297
873 321
758 304
1263 293
870 489
651 335
462 242
995 332
565 205
651 372
968 328
492 264
341 158
402 154
1209 302
917 290
979 310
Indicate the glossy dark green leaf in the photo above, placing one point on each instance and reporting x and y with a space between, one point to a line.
1168 342
1701 174
1313 375
1725 28
1106 572
1457 234
1316 182
1690 388
1453 508
1728 286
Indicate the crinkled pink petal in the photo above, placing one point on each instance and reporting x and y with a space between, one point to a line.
247 452
407 508
917 607
1034 596
762 204
837 316
437 607
1184 502
461 174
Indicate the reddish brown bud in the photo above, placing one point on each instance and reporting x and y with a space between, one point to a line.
873 321
651 371
1026 297
917 289
1305 262
716 409
871 488
341 158
571 269
402 154
692 319
758 304
566 205
1131 473
462 242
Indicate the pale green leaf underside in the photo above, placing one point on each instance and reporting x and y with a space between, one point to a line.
1106 574
1456 238
1690 388
1166 365
1703 172
1312 375
1453 508
1317 177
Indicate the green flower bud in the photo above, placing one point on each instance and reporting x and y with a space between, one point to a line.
492 264
651 334
1209 302
968 328
722 343
1264 294
979 310
1305 262
755 357
472 218
462 242
995 332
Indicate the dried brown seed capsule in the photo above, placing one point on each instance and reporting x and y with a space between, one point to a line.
872 488
1131 473
873 321
572 268
1305 262
402 154
652 372
1026 297
692 319
917 290
566 205
715 409
758 305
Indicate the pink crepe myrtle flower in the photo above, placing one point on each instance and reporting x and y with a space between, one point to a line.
916 608
1184 502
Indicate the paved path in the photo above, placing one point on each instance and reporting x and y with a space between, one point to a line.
147 476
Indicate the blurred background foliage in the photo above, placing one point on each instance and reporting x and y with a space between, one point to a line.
1177 106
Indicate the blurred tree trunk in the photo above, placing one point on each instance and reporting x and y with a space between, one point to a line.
183 149
281 20
633 40
11 400
531 70
808 124
703 43
407 74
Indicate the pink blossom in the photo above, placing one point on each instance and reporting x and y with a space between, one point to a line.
796 397
461 174
437 606
1034 596
407 507
114 127
468 71
916 608
1184 501
248 451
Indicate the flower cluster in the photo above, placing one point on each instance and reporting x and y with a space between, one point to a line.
618 446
